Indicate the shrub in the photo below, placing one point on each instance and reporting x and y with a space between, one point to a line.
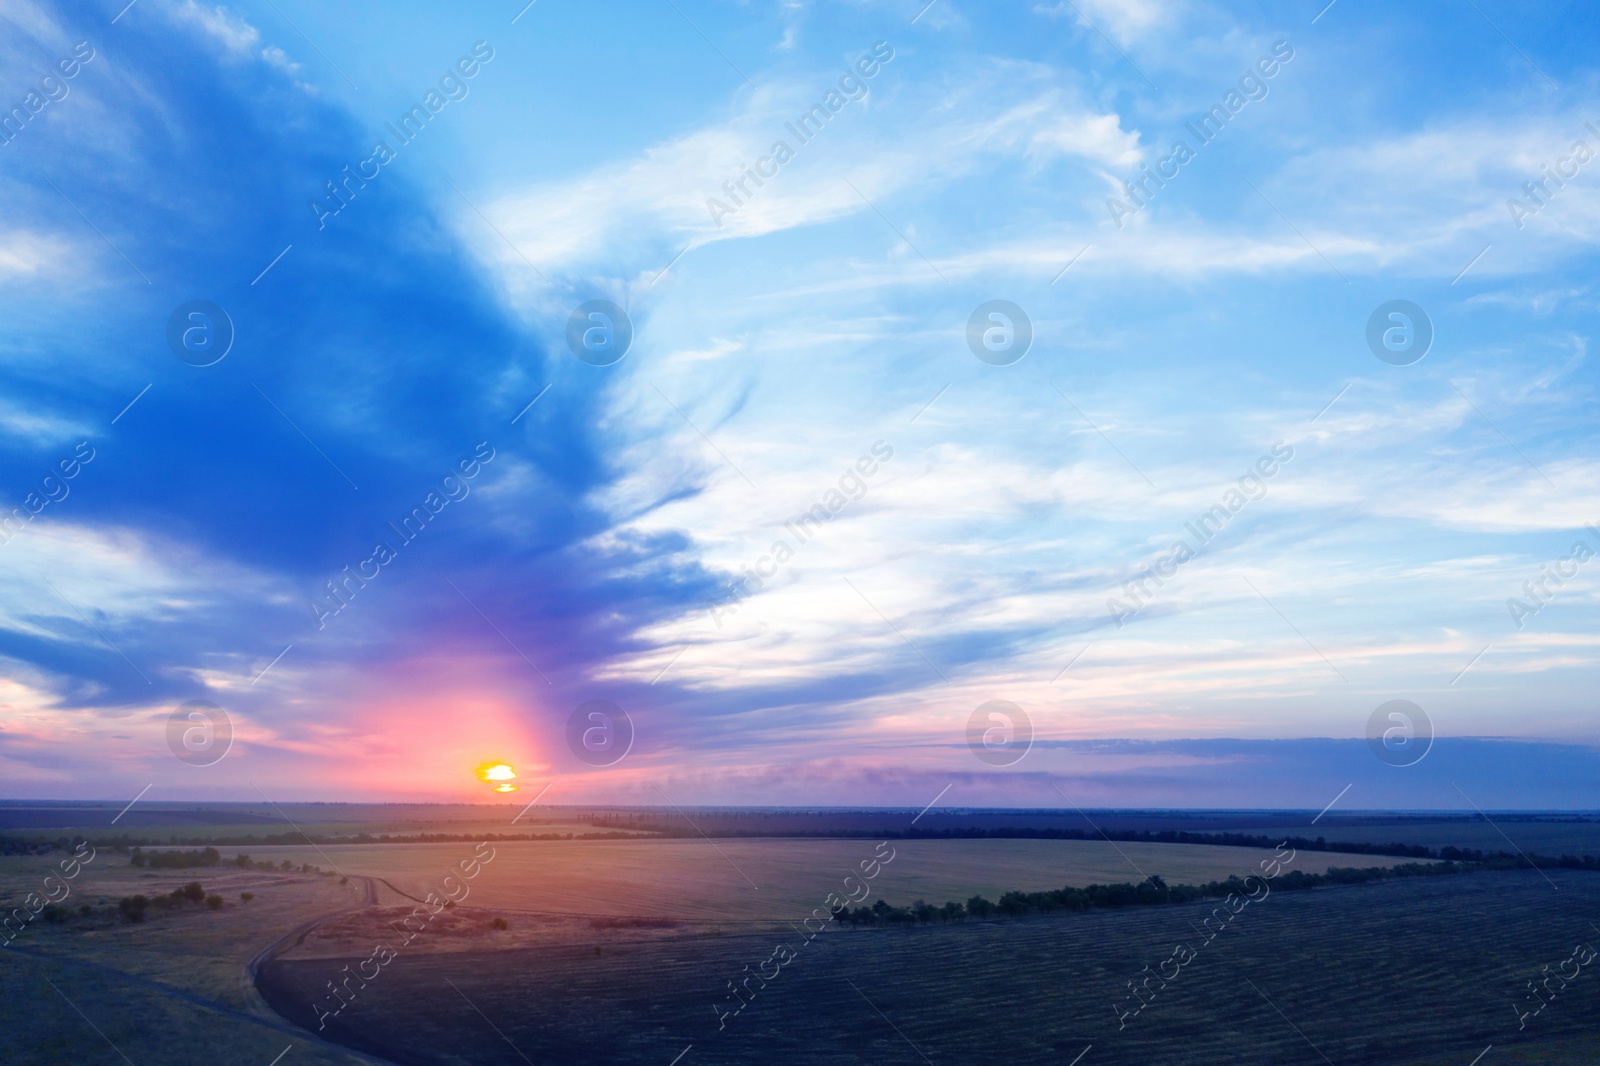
500 923
54 913
133 907
137 858
181 860
214 902
247 896
190 891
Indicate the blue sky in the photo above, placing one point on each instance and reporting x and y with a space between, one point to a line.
775 345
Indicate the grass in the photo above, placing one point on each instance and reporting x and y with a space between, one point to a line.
690 879
617 951
1417 971
166 990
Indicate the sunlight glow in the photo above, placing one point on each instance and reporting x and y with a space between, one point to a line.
499 774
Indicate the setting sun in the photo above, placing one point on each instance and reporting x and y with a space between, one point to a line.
499 774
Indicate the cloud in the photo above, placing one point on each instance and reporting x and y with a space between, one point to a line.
1126 20
227 29
650 206
783 344
236 36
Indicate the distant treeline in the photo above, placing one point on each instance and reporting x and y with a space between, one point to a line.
184 860
14 846
29 847
1151 892
660 829
1169 836
123 843
175 860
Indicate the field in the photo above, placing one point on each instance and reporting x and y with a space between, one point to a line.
618 950
167 990
224 824
1411 972
692 879
219 822
1505 834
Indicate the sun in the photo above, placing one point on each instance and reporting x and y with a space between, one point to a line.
498 774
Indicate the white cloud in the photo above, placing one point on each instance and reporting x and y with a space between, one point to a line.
234 34
648 207
39 426
29 254
226 28
121 576
1126 20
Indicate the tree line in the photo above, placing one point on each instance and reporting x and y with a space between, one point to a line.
1153 891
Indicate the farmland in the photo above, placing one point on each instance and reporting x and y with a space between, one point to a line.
694 879
618 949
1383 973
164 990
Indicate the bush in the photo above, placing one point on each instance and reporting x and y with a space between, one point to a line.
133 907
137 858
190 891
178 860
214 902
54 913
247 896
500 923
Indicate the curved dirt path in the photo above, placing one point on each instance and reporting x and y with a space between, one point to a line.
258 1003
258 1012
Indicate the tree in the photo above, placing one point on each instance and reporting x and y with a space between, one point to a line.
133 907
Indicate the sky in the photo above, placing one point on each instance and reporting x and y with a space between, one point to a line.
397 217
